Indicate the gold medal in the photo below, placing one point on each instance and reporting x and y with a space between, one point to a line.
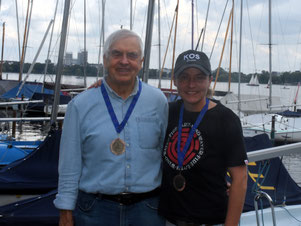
117 146
179 182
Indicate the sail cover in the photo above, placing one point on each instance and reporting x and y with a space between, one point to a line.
37 172
269 176
27 91
35 211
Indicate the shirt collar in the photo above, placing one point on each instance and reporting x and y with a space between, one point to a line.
112 92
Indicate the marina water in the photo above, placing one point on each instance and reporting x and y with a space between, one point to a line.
37 131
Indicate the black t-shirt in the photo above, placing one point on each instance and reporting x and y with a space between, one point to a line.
216 145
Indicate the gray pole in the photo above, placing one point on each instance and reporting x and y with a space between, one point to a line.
49 47
205 25
85 49
239 58
100 40
148 39
192 23
159 39
35 58
60 63
27 35
270 53
18 32
131 14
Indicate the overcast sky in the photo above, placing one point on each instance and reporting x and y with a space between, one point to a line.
286 28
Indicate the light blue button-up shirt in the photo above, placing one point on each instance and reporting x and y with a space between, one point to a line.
86 161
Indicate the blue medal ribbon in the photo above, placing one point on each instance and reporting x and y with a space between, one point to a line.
119 127
181 154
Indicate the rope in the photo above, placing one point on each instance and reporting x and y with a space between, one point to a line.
255 186
290 213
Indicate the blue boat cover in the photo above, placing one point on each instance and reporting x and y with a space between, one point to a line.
48 98
269 176
35 211
27 91
10 153
37 172
288 113
41 172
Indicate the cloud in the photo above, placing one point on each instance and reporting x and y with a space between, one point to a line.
286 29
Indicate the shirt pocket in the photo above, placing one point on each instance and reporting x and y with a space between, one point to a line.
148 132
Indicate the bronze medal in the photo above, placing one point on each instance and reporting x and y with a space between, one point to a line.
179 182
117 146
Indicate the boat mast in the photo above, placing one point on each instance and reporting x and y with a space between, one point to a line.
60 64
18 30
131 14
24 43
49 47
192 23
231 47
159 41
270 53
101 40
35 59
148 39
174 44
85 51
205 25
239 58
1 64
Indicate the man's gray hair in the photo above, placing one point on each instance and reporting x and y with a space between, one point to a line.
118 35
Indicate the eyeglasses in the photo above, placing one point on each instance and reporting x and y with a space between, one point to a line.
130 55
185 79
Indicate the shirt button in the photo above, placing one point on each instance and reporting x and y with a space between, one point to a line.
128 166
127 145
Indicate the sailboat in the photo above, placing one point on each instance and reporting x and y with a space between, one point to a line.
24 175
253 81
286 129
269 200
37 173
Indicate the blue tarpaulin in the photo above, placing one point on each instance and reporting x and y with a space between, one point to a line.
269 176
288 113
38 171
35 211
27 91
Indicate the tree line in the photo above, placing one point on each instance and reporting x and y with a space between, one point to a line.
291 78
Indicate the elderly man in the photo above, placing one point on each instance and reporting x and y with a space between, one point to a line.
110 153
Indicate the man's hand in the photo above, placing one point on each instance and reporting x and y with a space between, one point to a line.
95 84
66 218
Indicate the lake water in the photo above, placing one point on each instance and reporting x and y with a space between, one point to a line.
287 94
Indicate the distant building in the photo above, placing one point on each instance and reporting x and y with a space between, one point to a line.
68 59
82 57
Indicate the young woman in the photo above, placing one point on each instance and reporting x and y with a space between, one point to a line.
203 142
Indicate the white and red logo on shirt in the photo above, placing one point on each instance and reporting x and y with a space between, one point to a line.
194 152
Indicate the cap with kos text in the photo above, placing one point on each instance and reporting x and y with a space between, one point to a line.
192 58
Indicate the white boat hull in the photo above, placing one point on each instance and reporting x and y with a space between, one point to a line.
287 216
287 129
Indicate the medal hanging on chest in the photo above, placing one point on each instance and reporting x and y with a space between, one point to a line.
179 181
118 145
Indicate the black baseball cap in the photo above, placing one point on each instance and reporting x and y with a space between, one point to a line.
192 58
